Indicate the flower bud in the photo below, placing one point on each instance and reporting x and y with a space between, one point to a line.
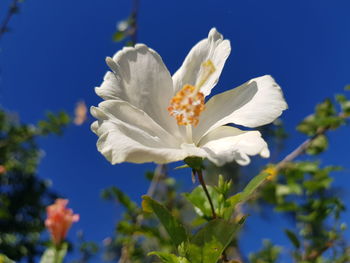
59 220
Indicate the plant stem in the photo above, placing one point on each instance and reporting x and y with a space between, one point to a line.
12 10
201 180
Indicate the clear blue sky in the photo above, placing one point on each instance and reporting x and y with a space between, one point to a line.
55 54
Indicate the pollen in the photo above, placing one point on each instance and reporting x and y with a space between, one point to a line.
187 105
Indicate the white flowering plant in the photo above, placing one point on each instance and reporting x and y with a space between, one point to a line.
150 116
147 115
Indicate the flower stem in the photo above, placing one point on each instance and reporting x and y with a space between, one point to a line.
202 182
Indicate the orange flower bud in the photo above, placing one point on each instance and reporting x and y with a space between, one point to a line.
59 220
2 169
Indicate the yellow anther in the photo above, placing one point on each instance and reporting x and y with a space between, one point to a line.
188 103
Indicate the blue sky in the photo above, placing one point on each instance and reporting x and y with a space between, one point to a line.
55 54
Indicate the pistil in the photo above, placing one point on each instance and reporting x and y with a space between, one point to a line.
189 133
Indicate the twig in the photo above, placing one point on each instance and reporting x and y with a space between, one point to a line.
316 253
302 147
158 173
201 180
134 24
299 150
11 11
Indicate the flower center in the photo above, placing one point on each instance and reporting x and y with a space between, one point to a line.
188 103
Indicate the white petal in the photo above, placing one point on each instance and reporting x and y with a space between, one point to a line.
127 134
118 110
213 48
255 103
225 144
119 142
140 77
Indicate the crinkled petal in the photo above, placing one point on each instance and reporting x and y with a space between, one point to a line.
213 48
119 143
225 144
255 103
126 134
122 111
140 77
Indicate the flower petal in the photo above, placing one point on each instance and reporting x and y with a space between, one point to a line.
120 143
225 144
213 48
140 77
127 134
118 110
255 103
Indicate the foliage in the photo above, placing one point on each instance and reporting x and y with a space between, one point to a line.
305 193
302 191
23 195
202 226
268 254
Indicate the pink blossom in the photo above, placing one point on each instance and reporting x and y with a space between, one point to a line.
59 220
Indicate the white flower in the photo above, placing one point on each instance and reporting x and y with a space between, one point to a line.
149 116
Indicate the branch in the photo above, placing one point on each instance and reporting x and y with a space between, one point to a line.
317 253
11 11
302 147
134 24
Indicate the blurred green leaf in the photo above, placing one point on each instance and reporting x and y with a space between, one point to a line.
54 123
118 36
174 228
248 190
318 145
268 254
54 254
4 259
169 258
208 244
293 238
114 193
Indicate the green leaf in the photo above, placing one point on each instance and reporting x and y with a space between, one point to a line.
181 167
318 145
208 244
54 254
174 228
118 36
168 258
55 123
293 238
248 190
113 193
200 201
308 126
4 259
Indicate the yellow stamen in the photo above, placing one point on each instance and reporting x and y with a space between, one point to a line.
188 103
